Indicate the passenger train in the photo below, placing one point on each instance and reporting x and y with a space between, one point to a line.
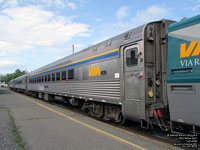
149 74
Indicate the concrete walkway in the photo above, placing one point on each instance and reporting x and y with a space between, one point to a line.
46 127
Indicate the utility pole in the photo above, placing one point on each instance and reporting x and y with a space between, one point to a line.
72 49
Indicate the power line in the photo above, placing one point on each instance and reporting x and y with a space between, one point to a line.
29 44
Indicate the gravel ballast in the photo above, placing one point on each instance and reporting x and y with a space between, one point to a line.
7 139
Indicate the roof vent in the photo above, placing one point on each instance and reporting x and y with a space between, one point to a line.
95 48
109 43
184 18
127 36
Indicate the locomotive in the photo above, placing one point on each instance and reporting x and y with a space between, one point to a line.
149 74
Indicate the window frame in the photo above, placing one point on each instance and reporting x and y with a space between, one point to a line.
65 76
53 77
49 78
68 74
58 76
45 78
135 49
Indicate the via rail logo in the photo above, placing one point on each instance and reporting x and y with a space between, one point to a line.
94 71
187 52
193 49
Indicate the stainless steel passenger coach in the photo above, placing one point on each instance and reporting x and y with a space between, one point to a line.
121 78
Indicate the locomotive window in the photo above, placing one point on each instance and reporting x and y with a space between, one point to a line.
45 78
53 77
71 74
49 77
57 76
64 75
131 57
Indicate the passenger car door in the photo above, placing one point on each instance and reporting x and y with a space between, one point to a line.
131 82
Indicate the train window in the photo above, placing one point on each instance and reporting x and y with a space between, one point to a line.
131 57
71 74
42 79
53 77
103 72
49 77
39 79
45 78
57 76
64 75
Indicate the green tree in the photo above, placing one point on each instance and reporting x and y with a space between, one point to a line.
6 78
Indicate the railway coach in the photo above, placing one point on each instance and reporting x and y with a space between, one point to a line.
124 77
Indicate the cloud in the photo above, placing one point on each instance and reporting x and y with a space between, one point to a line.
152 13
97 19
122 12
7 63
59 4
72 5
8 3
63 4
33 25
197 6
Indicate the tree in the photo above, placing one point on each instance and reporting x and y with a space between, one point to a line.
6 78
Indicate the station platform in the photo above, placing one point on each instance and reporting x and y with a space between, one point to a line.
43 126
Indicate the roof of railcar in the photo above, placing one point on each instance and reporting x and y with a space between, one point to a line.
134 35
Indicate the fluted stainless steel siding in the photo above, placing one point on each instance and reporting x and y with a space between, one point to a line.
101 89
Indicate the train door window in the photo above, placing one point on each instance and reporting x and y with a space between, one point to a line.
45 78
64 75
42 79
71 74
131 57
57 76
49 77
53 77
39 79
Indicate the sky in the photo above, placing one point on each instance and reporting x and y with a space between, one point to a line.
34 33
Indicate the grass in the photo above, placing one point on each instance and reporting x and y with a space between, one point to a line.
15 130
